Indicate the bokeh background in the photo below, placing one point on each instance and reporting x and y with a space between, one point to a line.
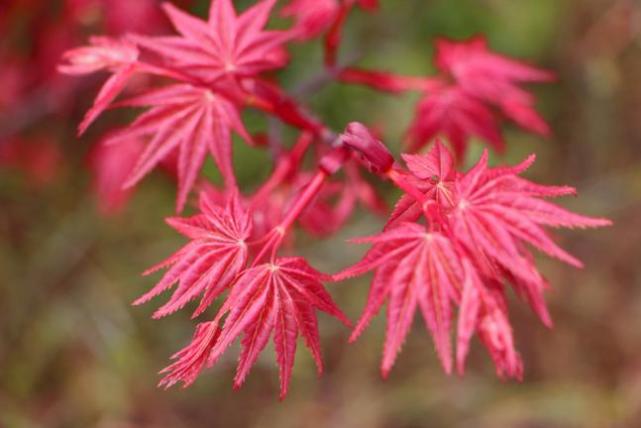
74 353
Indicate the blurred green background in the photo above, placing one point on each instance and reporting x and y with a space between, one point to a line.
74 353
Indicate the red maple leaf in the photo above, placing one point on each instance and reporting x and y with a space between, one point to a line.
434 175
479 226
314 17
494 78
451 112
210 262
497 211
187 119
278 298
120 57
415 269
494 214
492 211
225 45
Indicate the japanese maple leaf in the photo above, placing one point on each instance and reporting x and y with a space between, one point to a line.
120 57
494 213
187 119
225 45
432 173
278 299
314 17
450 112
481 224
497 212
494 78
414 269
209 263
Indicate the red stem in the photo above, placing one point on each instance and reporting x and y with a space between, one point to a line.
278 103
279 232
388 82
311 190
334 35
272 101
285 167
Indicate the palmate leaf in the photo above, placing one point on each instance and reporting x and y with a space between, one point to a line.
420 270
226 45
314 17
414 269
210 262
450 112
479 227
494 78
472 60
433 174
118 56
276 300
492 211
497 211
191 120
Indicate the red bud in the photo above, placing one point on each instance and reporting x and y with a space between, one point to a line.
372 151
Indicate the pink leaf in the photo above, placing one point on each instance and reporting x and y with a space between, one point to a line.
278 297
210 262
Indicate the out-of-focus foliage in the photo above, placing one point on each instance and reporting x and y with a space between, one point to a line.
74 353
